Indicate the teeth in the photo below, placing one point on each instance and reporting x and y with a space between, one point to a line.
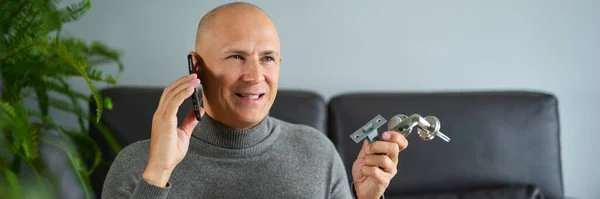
250 96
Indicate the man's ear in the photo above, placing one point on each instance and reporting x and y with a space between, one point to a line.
197 63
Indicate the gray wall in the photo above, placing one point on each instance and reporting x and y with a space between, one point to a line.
424 45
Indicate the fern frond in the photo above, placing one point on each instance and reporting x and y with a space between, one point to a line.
7 115
98 49
105 131
21 6
80 66
31 144
87 148
63 87
47 120
74 11
8 109
96 54
67 107
12 183
34 164
16 123
42 96
77 163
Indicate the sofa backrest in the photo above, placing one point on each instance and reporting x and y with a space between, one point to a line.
300 107
497 139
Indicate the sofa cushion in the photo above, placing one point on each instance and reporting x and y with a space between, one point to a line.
497 138
507 192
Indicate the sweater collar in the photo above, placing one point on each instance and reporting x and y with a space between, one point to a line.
216 133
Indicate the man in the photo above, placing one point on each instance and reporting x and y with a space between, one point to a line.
237 150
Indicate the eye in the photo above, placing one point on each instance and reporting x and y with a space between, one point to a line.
269 59
237 57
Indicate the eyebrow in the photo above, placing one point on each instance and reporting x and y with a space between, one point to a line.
243 52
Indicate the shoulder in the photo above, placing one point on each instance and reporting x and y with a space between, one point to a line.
126 169
136 149
304 136
133 156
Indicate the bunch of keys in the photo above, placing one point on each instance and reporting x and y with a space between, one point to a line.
427 127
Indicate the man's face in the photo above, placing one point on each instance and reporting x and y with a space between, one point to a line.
241 69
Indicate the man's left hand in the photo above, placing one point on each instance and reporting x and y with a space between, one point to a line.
376 165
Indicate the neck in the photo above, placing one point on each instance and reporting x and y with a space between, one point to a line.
221 135
222 119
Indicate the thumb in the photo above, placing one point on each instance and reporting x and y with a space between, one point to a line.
362 153
190 121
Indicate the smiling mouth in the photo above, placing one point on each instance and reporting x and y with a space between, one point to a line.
250 96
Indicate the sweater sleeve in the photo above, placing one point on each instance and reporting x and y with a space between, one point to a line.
340 184
124 178
354 192
147 190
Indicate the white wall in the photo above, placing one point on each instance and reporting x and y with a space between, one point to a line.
423 45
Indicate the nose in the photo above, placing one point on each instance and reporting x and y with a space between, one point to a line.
253 73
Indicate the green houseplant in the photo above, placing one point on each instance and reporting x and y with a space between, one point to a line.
36 65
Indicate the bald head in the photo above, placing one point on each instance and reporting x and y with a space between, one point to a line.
229 11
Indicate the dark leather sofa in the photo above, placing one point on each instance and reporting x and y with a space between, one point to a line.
504 144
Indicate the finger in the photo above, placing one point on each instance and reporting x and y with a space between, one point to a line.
169 89
392 144
381 161
180 87
173 106
172 101
374 172
189 123
395 137
389 149
363 151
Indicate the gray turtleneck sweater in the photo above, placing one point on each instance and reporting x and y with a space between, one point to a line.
274 159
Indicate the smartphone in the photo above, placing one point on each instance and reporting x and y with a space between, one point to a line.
196 101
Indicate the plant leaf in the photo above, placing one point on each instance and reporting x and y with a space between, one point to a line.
89 150
31 144
108 103
77 163
104 130
42 94
74 11
80 66
15 124
74 96
12 183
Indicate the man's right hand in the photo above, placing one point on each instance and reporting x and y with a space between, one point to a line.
169 143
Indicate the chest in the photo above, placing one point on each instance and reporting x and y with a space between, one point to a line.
258 177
